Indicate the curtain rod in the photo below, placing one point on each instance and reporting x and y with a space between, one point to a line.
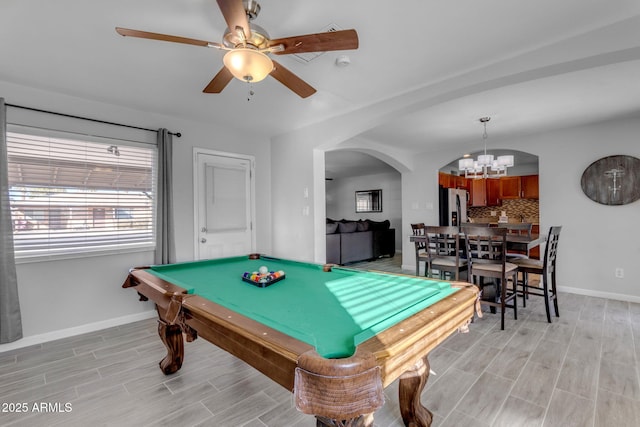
178 134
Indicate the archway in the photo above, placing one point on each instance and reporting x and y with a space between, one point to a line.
510 198
349 172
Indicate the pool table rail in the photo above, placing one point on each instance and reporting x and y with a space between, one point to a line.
269 351
152 287
400 347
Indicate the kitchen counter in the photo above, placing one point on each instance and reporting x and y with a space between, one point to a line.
494 220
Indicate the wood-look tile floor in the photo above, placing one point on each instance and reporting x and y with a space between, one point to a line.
581 370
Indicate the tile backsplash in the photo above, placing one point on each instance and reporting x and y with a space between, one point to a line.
515 209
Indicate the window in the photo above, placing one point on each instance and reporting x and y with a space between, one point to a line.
72 196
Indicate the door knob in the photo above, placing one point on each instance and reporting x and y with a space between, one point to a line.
203 240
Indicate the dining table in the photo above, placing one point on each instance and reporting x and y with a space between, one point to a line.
515 242
522 242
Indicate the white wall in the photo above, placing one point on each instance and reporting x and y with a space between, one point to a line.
294 209
595 238
71 294
340 199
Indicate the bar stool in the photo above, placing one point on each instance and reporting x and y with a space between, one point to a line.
487 257
443 251
420 246
546 268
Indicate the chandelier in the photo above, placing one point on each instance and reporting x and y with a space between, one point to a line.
486 166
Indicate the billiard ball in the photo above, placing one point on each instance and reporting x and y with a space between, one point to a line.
263 270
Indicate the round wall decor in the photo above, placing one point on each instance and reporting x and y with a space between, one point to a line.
612 180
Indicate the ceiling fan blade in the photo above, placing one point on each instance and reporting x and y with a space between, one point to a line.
235 16
319 42
219 82
290 80
164 37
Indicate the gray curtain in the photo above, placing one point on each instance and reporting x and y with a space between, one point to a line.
165 233
10 319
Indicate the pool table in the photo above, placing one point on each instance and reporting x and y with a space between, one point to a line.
333 336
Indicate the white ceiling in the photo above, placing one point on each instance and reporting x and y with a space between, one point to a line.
424 73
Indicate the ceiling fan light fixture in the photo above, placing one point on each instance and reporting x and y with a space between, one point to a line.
248 65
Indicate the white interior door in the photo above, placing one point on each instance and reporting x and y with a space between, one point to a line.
224 200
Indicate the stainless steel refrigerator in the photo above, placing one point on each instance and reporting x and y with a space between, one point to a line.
453 206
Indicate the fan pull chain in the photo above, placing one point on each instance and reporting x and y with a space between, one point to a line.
250 95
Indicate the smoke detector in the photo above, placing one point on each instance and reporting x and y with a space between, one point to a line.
343 61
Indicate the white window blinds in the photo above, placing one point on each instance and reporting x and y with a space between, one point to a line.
70 196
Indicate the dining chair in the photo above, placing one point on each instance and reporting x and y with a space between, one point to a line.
420 247
519 228
443 251
546 268
487 258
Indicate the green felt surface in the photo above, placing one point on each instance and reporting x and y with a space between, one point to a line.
333 311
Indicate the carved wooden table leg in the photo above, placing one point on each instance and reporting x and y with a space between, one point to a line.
411 384
171 336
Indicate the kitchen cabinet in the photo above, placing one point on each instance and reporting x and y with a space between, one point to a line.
444 180
510 187
478 193
452 181
519 187
484 192
529 187
493 192
461 182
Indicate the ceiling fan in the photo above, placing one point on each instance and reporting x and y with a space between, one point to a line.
248 48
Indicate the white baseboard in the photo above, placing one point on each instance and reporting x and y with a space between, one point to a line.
599 294
77 330
577 291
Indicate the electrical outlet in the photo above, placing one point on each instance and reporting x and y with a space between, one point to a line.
493 213
620 273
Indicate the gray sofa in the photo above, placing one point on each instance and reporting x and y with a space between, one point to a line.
351 241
